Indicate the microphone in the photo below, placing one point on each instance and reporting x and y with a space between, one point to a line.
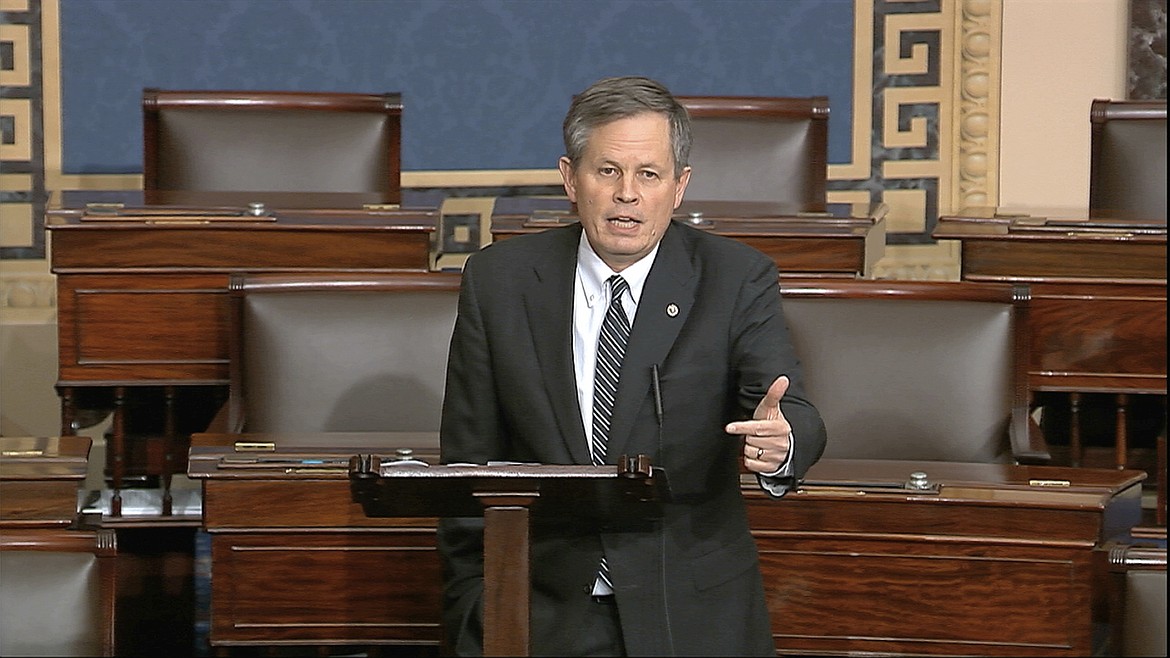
656 385
659 469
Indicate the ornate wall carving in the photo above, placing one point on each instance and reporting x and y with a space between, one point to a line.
22 168
931 109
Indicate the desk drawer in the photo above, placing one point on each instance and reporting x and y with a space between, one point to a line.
137 328
298 587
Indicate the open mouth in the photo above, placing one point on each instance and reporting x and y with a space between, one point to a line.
624 221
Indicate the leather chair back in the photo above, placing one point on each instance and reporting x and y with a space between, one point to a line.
759 149
930 371
1145 613
1137 597
272 141
57 592
1127 172
336 353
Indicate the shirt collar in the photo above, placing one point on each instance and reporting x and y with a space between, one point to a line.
593 272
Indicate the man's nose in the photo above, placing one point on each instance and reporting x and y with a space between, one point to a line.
627 190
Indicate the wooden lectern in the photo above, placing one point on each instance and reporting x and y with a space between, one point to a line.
508 496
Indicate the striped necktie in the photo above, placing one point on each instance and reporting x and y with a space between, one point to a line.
611 348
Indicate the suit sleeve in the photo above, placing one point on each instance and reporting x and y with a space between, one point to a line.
763 351
469 433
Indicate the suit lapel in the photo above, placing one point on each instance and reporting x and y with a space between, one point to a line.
549 305
667 299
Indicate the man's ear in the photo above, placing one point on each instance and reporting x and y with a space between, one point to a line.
566 168
681 186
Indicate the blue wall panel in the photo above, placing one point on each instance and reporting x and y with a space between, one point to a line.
485 83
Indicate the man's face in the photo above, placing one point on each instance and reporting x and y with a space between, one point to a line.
624 187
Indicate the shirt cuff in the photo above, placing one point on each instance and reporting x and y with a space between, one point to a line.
779 482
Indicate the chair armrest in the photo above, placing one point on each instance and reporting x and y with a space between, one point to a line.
1028 443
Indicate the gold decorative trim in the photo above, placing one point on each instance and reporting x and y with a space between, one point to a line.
975 165
485 178
410 179
859 167
20 75
51 93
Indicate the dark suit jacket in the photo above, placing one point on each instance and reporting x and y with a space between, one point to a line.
689 583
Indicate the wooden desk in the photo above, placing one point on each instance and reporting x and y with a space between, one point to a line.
295 560
142 282
58 583
995 560
1098 310
142 293
40 478
843 241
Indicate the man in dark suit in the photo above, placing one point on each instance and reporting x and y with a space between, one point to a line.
708 381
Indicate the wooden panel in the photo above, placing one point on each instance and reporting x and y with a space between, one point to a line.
163 327
893 515
40 478
845 241
918 596
814 255
998 560
1098 291
321 588
142 288
54 502
1015 259
992 560
313 569
243 248
1085 339
306 502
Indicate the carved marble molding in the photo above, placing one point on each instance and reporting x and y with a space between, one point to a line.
977 104
27 291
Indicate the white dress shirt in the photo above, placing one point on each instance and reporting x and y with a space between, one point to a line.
590 303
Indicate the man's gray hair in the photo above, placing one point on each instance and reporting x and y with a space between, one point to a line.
610 99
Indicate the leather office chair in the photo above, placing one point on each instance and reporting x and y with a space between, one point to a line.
1127 179
272 141
1137 592
57 588
931 371
1127 172
759 149
337 353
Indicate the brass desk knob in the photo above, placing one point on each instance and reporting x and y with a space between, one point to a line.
918 481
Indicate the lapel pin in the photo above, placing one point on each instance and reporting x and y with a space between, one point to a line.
672 310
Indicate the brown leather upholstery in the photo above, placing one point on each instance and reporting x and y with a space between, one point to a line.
1138 598
899 370
57 592
759 149
272 141
916 370
336 353
1127 173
